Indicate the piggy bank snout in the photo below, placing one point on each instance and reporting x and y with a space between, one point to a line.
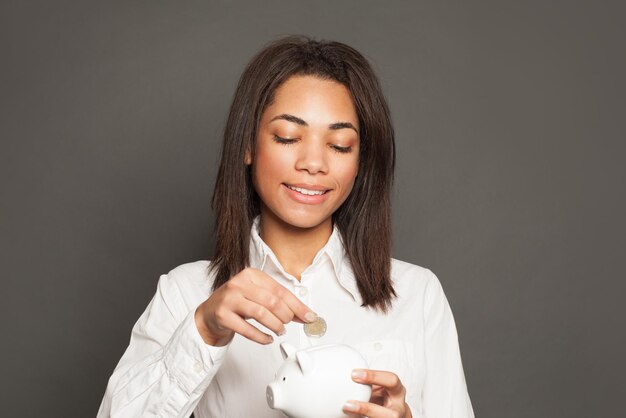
269 396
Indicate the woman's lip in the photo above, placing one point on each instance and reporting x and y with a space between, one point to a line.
313 187
306 199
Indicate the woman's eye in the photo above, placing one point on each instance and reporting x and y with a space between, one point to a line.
286 141
344 150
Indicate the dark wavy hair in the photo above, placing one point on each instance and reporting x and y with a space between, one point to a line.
364 218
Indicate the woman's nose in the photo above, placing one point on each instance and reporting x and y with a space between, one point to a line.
312 158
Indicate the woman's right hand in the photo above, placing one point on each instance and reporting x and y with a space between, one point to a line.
250 294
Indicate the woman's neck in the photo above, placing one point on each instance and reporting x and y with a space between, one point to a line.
294 247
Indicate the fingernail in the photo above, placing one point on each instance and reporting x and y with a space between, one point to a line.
270 339
282 331
310 317
351 407
358 374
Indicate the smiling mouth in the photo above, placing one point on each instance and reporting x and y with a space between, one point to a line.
307 192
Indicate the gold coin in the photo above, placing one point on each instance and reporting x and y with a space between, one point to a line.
316 328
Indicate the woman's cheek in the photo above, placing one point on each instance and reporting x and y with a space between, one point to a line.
348 175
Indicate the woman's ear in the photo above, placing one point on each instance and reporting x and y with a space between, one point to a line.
247 158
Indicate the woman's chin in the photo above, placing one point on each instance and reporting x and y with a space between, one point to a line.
298 216
305 221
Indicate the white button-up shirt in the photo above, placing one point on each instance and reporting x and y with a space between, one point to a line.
169 371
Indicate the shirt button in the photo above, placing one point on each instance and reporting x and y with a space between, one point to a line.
198 367
378 346
303 291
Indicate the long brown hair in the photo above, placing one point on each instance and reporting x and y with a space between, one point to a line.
364 218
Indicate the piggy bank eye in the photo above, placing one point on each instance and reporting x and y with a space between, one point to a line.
284 379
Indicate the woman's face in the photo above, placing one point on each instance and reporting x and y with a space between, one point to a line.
307 151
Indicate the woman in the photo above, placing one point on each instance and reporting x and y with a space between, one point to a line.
302 204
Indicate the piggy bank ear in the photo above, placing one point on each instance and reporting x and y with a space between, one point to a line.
287 350
305 361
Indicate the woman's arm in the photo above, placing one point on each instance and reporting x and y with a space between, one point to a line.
445 391
167 365
179 342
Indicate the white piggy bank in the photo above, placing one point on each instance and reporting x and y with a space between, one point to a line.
316 382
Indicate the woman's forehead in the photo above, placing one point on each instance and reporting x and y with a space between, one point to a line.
312 100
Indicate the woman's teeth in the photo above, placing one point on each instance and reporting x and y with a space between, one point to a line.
307 192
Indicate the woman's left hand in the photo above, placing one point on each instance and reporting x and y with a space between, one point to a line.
387 399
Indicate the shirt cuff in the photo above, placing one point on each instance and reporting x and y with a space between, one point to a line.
190 360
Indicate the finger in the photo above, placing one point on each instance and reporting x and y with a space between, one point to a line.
261 314
378 395
371 410
390 381
377 388
241 327
272 302
299 309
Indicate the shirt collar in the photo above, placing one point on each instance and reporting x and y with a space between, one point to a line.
334 250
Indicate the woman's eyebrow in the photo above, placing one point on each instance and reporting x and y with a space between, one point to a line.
297 120
342 125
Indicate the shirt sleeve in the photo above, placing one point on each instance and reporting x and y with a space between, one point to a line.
167 366
445 391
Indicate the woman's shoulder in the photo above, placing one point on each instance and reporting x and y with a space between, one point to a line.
189 279
194 270
405 274
401 268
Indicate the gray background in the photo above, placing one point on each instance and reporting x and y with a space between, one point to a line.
510 179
